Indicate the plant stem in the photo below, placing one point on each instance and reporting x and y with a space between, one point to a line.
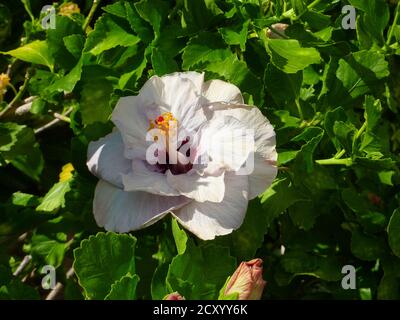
391 30
340 154
289 13
313 4
55 121
332 162
91 14
356 136
27 6
17 97
299 109
13 88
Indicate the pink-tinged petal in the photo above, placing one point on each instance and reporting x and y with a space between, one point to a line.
265 155
106 158
142 178
221 91
174 296
120 211
197 187
247 281
208 220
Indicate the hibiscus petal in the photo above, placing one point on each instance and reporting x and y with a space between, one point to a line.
197 187
141 178
178 93
263 175
106 158
207 220
221 91
130 118
265 156
120 211
227 141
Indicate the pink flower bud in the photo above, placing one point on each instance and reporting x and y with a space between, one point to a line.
174 296
247 281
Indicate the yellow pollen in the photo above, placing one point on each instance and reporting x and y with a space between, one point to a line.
163 121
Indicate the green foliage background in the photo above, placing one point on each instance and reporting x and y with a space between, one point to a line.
331 94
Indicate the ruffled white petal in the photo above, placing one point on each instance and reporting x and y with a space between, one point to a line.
120 211
208 220
261 178
265 155
178 93
227 141
141 178
221 91
130 118
106 158
200 188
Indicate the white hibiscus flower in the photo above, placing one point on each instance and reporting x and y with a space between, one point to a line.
200 176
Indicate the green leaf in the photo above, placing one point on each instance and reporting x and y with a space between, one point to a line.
140 26
52 250
154 12
109 33
19 147
124 289
373 111
74 44
284 87
367 247
344 132
36 52
369 217
289 56
205 47
55 198
200 271
393 231
375 17
179 236
68 82
158 286
236 35
199 14
362 71
60 37
237 72
163 64
95 101
305 157
302 263
277 198
102 260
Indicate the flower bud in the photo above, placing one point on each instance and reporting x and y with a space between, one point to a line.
280 28
174 296
66 172
247 281
69 8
